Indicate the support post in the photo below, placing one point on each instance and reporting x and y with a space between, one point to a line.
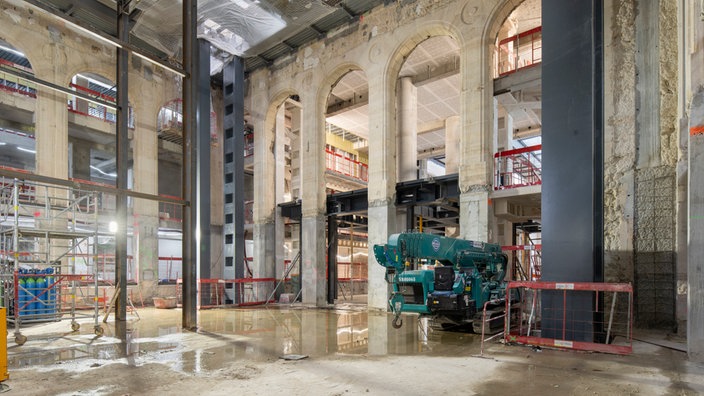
233 122
572 197
332 259
122 155
189 247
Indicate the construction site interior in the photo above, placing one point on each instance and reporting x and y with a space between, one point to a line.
352 197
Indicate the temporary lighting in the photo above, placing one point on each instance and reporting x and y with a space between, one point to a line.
158 64
112 226
14 51
26 150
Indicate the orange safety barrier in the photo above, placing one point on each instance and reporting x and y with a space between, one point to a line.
553 314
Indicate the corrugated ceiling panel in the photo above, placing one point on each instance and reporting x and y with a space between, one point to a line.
276 51
329 22
302 37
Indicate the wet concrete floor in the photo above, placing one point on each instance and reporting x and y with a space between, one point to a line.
349 350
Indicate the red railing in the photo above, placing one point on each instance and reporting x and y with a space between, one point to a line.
170 211
214 292
346 166
520 51
248 145
11 83
95 110
518 168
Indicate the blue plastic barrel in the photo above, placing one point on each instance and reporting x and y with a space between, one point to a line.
21 296
31 285
51 293
42 297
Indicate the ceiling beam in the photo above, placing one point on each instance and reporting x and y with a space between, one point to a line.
441 72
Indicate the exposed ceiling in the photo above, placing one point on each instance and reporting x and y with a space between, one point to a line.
260 31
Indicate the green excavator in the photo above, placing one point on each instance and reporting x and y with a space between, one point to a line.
447 279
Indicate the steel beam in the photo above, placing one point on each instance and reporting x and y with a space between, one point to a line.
201 204
122 155
233 150
332 259
189 243
572 188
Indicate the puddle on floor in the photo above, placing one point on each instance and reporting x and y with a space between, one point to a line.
224 335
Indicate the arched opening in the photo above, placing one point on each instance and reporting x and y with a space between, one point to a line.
17 107
347 169
428 110
517 139
285 137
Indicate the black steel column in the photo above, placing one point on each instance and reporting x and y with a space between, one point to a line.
189 245
202 160
233 229
122 158
572 189
332 259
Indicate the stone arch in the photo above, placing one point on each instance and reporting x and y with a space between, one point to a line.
326 86
276 100
28 52
398 57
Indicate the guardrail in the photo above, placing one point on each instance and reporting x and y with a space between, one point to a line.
518 168
214 293
346 166
520 51
572 315
83 107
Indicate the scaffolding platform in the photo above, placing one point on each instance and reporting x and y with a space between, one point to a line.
48 249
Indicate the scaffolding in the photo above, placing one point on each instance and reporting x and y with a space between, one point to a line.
48 242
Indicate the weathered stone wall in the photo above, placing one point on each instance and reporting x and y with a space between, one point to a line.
641 153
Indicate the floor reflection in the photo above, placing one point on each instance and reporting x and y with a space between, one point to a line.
224 335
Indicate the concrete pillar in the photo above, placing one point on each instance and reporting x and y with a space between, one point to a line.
407 136
264 180
474 214
695 238
313 203
452 138
51 126
382 181
145 212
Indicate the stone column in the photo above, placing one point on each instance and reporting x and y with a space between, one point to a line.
452 157
264 179
475 156
145 150
51 132
382 182
313 203
407 136
452 138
